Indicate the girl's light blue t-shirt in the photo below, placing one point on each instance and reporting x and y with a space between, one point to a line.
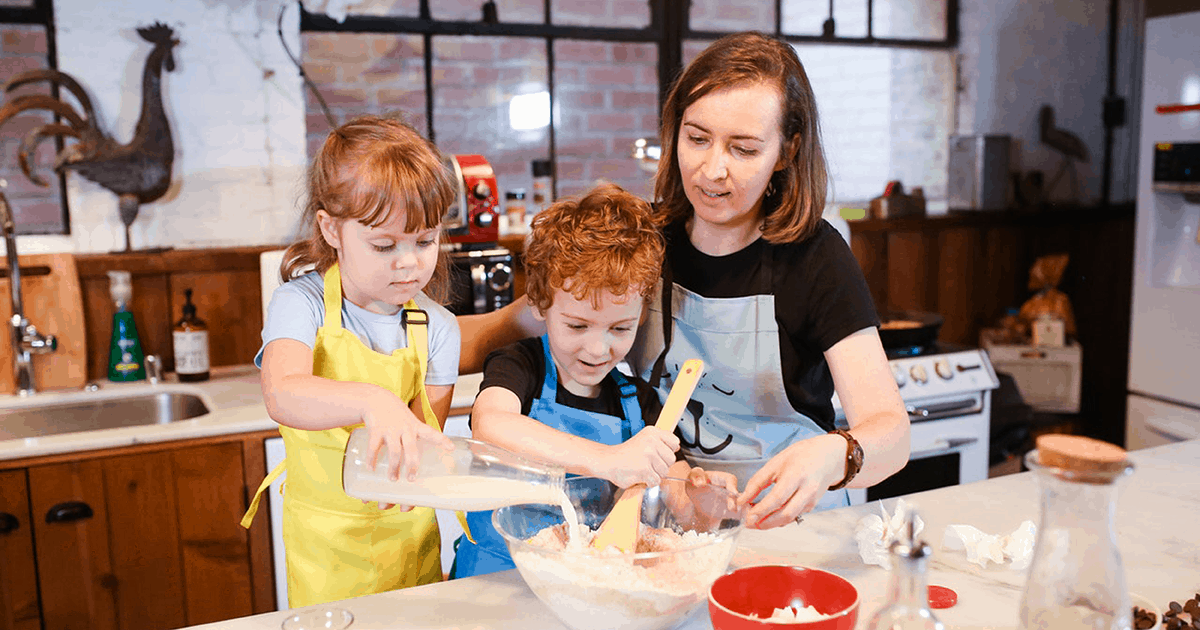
297 310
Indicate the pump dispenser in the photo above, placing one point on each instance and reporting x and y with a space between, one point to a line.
125 359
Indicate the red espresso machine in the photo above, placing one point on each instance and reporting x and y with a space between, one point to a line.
481 272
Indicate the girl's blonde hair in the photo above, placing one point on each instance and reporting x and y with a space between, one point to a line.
796 195
366 170
605 240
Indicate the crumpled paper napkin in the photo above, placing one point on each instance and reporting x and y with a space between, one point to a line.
981 548
875 534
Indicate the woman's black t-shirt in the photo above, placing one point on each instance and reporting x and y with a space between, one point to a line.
821 297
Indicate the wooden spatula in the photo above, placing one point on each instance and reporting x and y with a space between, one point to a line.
620 527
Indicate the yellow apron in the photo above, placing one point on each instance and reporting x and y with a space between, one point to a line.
337 546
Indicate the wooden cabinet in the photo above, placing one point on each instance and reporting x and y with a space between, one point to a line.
18 579
148 537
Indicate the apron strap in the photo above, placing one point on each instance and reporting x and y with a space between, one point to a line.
416 326
632 411
333 298
248 517
668 287
550 380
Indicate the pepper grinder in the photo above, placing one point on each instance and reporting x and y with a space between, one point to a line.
907 606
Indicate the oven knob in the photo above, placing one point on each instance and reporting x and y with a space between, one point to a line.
898 374
500 277
919 375
482 190
943 369
485 219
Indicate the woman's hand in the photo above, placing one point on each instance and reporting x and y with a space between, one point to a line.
644 458
801 473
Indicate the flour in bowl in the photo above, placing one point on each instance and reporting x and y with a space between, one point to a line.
794 613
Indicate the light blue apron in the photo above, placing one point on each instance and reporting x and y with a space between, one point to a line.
489 554
740 414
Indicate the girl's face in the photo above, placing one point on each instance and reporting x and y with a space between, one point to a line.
586 343
730 143
382 267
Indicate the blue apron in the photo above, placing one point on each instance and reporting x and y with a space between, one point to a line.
740 413
489 554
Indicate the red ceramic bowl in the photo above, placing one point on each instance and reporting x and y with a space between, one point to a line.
759 590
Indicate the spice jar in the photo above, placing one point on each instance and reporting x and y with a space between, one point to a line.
1076 578
543 195
514 210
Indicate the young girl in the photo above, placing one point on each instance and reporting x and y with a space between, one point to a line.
358 340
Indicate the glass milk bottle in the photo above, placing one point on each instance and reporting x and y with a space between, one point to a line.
907 607
1076 579
473 476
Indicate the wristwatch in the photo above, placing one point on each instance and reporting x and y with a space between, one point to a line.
854 458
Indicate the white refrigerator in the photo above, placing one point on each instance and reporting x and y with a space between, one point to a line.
1164 356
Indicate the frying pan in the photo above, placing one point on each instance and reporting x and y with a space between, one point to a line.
923 335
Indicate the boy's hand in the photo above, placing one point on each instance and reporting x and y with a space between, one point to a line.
644 458
392 424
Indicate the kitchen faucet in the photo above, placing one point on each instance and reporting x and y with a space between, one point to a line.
25 336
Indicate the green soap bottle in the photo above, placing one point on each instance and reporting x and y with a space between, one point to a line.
125 359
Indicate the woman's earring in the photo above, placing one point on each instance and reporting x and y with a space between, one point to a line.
770 187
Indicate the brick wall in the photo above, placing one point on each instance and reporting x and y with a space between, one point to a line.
36 210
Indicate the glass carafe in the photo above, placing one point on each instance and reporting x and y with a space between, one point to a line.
473 476
1076 579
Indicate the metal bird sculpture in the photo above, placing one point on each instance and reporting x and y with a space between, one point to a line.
137 172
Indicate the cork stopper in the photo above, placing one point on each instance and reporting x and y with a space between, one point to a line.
1080 454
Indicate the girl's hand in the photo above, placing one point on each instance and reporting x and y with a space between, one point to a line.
699 477
392 424
801 473
644 458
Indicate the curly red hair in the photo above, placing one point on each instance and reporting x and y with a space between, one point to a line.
606 240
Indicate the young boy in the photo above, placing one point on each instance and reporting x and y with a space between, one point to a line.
590 265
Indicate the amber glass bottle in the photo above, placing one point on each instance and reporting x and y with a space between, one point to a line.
191 344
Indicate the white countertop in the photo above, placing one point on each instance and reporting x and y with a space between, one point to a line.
1158 509
233 394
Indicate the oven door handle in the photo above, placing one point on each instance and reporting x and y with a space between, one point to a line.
951 445
941 410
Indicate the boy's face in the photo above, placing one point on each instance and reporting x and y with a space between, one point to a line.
587 343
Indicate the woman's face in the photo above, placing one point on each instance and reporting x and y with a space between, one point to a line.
730 143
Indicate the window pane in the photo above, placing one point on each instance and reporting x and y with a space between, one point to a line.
36 210
394 8
910 19
510 11
730 16
885 114
807 17
491 98
607 97
363 74
609 13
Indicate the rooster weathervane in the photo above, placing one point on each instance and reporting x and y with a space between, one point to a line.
137 172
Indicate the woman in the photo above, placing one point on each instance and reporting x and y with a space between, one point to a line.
761 288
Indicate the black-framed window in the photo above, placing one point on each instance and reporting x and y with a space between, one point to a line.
577 82
27 43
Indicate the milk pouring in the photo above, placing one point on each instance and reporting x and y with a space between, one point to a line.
473 476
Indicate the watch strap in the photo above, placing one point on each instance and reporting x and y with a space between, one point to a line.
854 458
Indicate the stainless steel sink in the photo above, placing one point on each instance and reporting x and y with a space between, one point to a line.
90 411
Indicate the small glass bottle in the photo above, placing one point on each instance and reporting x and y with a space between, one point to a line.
473 476
191 344
907 606
514 210
1076 579
543 195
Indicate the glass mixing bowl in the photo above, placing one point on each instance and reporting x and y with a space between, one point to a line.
691 532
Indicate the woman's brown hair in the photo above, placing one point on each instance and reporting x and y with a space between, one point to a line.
796 198
367 169
607 240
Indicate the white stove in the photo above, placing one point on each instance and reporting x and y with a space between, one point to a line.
947 391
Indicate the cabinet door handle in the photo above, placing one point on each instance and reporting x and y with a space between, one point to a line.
69 511
8 523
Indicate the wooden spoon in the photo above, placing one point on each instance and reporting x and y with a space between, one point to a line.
620 527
